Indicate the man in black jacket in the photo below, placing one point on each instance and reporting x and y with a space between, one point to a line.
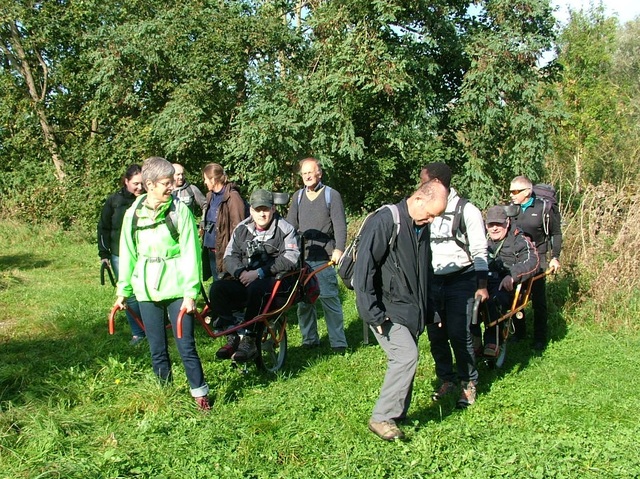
531 218
391 284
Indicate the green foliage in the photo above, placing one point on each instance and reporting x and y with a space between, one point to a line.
372 89
502 119
598 139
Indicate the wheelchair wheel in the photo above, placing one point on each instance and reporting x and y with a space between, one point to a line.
272 351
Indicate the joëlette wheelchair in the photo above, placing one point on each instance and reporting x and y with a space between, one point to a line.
271 337
504 322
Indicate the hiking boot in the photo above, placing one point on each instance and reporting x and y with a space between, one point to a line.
491 350
136 340
226 351
203 403
386 430
467 395
446 388
246 350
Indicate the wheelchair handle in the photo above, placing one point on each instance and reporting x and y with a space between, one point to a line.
107 268
476 307
112 319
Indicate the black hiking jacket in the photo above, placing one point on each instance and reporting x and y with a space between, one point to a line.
391 281
110 222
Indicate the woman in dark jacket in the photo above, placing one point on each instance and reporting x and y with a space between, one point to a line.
223 210
109 227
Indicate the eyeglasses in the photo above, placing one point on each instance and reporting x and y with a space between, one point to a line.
166 183
517 192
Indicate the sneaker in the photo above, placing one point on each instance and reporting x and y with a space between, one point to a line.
386 430
246 350
310 345
446 388
203 403
467 395
341 350
136 340
491 350
226 351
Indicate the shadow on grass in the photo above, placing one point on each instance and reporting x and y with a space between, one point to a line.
22 262
560 291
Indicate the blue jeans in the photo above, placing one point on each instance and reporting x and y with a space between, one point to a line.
212 263
454 296
132 303
330 301
153 316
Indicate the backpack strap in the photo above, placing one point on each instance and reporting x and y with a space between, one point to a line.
396 221
170 220
546 215
327 196
459 227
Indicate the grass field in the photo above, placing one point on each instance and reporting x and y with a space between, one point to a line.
78 403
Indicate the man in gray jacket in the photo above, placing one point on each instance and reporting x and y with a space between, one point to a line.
391 286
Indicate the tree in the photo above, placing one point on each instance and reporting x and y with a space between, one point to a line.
501 120
362 89
25 57
586 142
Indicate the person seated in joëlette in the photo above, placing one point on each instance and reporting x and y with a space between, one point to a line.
261 247
512 259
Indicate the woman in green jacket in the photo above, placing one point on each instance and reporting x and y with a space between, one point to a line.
160 264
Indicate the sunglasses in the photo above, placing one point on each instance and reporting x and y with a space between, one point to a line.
517 192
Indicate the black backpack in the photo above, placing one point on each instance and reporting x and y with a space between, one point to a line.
458 226
547 193
347 262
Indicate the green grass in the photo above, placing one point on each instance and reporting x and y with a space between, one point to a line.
78 403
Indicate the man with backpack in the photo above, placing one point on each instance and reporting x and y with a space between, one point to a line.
459 260
390 280
318 214
186 192
538 218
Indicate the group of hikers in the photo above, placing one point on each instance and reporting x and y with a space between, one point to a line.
421 264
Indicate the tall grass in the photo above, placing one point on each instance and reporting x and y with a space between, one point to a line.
78 403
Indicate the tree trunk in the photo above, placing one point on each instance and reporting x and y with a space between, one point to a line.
577 163
22 65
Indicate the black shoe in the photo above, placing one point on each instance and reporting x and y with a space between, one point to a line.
247 349
539 345
339 350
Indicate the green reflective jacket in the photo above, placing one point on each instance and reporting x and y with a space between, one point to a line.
153 265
